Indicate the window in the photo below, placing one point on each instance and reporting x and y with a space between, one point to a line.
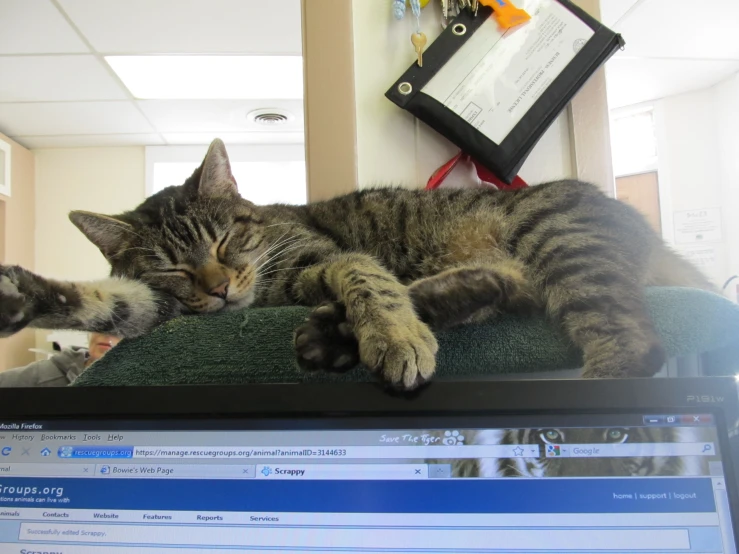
633 142
264 174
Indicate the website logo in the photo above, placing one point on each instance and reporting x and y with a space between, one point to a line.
6 450
266 471
553 451
105 470
453 438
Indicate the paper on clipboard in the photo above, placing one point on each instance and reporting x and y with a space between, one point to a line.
497 75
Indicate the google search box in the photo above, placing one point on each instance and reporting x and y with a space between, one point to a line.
622 450
337 452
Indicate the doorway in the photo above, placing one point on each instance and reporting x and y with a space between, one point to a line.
641 191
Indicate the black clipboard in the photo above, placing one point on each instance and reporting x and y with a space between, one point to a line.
504 158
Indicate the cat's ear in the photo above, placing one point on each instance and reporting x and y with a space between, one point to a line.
216 178
109 234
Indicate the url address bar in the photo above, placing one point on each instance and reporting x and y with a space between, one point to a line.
330 452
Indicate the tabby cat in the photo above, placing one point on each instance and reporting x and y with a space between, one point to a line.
383 266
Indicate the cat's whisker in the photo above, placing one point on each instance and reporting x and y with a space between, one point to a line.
285 269
278 258
286 245
273 246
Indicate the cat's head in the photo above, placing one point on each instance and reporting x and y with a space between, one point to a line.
199 242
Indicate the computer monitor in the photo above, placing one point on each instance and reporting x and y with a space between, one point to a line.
559 466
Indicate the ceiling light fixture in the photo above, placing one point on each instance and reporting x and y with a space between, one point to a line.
210 77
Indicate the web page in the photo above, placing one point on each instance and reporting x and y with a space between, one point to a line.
623 483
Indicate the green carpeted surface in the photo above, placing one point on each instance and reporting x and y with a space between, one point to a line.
255 346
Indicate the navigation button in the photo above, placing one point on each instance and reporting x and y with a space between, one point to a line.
696 419
654 420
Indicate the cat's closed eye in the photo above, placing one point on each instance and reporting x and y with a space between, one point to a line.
221 248
174 272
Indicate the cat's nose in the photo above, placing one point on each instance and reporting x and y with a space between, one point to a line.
220 290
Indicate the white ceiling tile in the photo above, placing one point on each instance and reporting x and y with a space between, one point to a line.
235 138
630 81
56 78
613 10
71 118
189 26
678 29
208 116
36 27
79 141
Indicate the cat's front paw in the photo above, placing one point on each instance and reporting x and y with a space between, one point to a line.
15 307
326 341
403 354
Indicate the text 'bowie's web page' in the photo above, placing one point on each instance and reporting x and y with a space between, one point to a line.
615 483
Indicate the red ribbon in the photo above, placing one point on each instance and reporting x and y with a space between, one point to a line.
483 173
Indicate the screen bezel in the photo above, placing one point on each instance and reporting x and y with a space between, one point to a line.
347 405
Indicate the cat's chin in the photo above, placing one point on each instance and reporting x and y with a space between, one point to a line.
238 304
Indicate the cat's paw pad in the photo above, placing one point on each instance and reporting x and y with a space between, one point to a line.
403 355
326 341
14 305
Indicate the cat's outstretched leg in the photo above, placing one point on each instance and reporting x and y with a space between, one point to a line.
611 326
599 302
391 338
472 293
120 307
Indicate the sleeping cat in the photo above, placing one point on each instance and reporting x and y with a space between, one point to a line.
384 267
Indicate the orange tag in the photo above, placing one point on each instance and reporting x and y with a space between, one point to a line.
506 13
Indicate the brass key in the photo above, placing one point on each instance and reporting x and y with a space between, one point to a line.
419 41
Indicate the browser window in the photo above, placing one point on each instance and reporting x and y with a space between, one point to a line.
616 483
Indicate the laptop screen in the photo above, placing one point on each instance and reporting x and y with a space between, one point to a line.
558 483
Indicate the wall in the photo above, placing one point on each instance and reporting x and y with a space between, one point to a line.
727 100
330 122
394 148
106 180
18 247
698 166
686 126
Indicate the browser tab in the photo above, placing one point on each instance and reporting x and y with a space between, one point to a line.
440 471
351 472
